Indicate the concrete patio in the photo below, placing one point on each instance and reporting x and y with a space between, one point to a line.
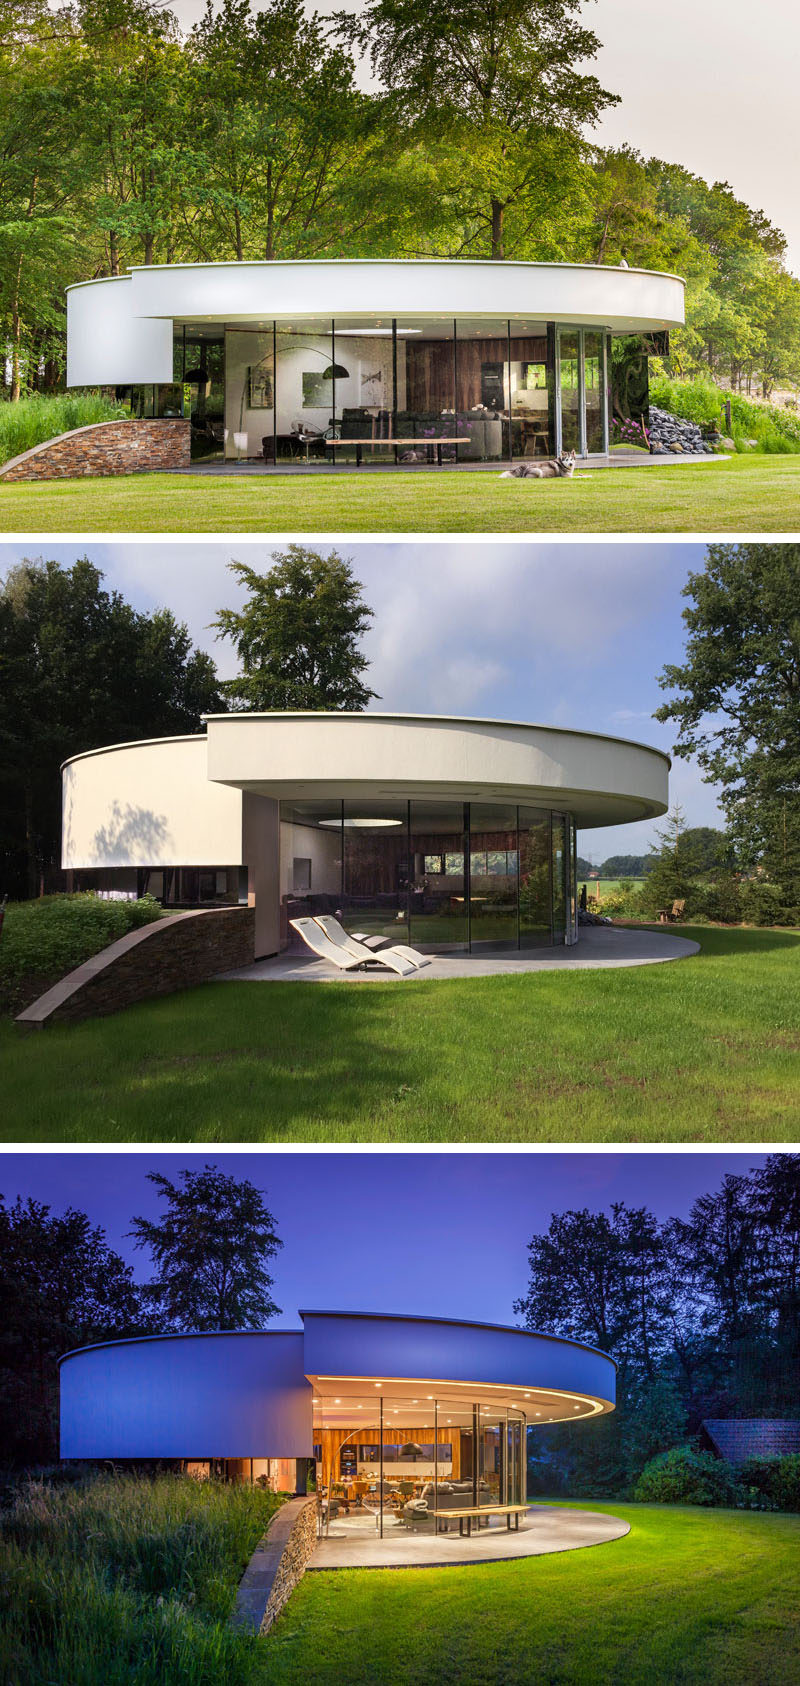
250 466
599 947
353 1542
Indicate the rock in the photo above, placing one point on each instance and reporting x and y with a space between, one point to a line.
727 443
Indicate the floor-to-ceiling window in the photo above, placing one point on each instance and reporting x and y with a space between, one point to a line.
445 876
582 390
398 1461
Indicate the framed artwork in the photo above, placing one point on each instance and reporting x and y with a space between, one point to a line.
317 391
259 384
372 389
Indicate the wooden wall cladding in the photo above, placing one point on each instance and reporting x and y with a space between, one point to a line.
332 1440
429 368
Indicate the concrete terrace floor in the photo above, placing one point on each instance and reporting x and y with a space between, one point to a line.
354 1543
599 947
298 466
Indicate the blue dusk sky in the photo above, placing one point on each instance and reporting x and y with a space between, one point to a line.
565 634
442 1234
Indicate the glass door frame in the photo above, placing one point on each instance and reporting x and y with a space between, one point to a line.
569 328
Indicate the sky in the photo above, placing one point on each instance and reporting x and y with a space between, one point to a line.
563 634
710 84
437 1234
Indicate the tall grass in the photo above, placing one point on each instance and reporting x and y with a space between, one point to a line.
33 420
774 431
126 1580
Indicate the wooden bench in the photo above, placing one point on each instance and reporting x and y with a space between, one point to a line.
466 1512
668 915
358 445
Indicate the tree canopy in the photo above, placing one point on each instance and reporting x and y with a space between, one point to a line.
736 697
79 668
61 1286
701 1314
125 140
297 636
212 1246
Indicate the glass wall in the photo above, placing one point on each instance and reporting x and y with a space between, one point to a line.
435 389
493 875
388 1463
447 877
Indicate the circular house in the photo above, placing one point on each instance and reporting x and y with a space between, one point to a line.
407 1418
457 835
385 361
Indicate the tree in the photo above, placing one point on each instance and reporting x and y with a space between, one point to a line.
297 635
211 1246
494 84
61 1286
281 128
79 668
672 866
737 697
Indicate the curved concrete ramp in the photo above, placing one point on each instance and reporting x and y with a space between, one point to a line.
599 946
353 1542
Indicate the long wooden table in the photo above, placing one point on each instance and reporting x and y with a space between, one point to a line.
358 445
466 1513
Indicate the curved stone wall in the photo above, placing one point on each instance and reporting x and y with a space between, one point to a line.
105 448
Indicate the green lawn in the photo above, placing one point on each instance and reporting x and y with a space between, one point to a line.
703 1049
744 494
704 1598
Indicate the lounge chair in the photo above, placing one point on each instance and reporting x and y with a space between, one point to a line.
321 944
356 943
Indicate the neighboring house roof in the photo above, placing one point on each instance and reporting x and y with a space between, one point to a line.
739 1438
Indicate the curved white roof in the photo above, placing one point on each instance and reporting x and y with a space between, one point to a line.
232 1395
120 329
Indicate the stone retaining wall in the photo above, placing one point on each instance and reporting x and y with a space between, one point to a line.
171 954
277 1564
105 448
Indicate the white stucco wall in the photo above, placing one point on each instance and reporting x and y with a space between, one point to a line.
108 343
602 780
148 804
191 1396
120 330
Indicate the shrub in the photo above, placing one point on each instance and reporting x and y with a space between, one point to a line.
33 420
775 431
685 1476
43 940
776 1479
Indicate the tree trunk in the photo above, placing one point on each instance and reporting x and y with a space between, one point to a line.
498 210
269 251
113 252
238 226
30 842
16 334
601 250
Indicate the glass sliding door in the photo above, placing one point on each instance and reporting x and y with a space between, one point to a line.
250 394
363 360
559 848
493 876
439 918
594 389
582 391
376 868
569 388
534 878
425 404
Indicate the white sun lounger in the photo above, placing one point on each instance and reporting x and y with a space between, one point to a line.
338 934
321 944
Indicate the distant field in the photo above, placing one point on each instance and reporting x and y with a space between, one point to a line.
609 886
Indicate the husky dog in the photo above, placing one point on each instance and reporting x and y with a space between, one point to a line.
552 468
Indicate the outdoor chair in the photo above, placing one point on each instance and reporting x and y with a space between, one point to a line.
322 945
356 943
669 915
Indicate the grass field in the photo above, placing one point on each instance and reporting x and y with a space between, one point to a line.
688 1598
703 1049
743 494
